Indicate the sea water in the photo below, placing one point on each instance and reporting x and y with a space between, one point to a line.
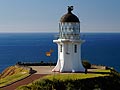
98 48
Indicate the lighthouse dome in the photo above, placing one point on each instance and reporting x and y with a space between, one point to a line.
69 17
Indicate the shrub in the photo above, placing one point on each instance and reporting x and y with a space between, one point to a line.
96 83
86 64
43 84
24 88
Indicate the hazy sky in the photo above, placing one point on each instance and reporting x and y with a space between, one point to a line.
44 15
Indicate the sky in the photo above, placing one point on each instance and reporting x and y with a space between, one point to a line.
44 15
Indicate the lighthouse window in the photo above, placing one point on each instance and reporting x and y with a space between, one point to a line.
75 48
60 48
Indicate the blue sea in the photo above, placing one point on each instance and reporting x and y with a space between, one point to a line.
99 48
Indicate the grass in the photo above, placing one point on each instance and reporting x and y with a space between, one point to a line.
102 70
12 78
18 74
57 80
73 76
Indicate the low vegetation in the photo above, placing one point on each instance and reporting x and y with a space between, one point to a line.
86 65
101 70
97 79
12 74
73 76
77 81
97 83
62 82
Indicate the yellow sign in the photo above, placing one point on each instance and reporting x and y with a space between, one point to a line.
48 53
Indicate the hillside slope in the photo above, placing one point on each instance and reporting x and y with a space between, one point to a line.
12 74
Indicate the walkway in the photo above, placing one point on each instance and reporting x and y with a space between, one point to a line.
41 71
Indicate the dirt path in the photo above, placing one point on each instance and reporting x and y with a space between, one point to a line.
23 82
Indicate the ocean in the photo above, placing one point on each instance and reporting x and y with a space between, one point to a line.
98 48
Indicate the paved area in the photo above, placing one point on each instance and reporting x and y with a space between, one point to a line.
43 69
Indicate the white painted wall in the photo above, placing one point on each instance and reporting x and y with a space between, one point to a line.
68 60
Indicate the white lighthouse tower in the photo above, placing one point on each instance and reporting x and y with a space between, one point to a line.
69 44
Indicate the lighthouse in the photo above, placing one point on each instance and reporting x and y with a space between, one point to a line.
69 44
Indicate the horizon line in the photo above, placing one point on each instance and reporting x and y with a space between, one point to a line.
54 32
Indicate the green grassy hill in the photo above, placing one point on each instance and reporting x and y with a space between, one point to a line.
97 80
12 74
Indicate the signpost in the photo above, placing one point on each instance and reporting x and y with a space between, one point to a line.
48 54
